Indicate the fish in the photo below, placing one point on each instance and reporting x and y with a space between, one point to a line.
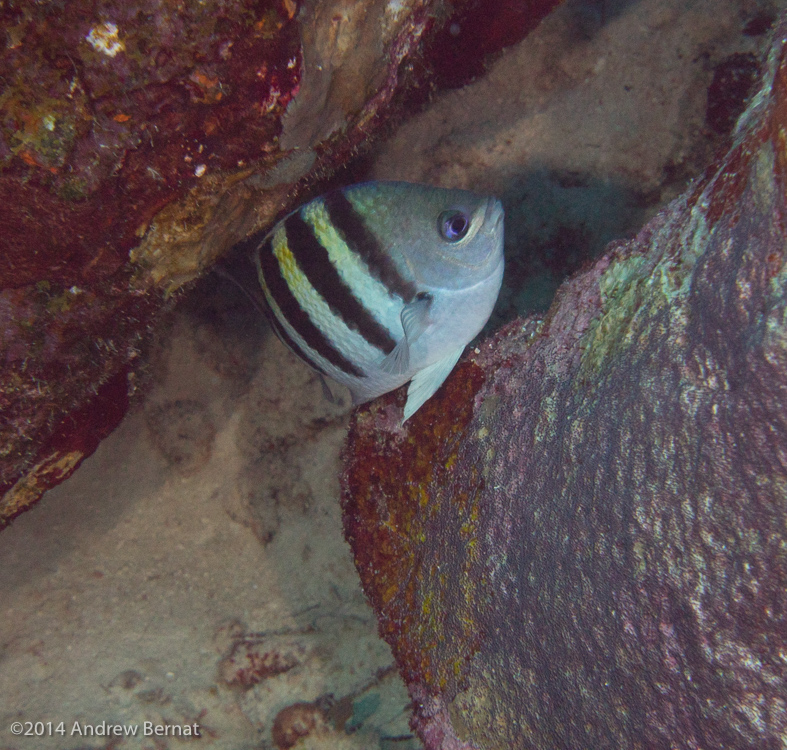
383 283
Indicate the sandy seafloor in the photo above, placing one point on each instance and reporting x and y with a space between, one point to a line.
204 536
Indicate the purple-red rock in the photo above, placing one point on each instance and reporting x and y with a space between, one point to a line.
581 540
139 141
121 127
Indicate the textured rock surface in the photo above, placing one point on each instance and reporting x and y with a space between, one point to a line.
581 541
140 141
148 588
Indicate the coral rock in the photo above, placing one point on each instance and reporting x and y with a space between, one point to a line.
296 722
580 541
139 141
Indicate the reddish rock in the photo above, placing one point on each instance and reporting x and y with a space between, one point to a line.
116 122
580 541
139 141
295 722
250 661
483 28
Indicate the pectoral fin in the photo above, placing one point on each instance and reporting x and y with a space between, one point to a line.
423 386
415 320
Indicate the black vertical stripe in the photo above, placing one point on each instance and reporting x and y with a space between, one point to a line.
360 240
312 258
296 316
288 341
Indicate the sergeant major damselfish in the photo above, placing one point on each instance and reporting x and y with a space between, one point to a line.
383 283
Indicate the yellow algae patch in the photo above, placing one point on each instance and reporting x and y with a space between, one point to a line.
104 38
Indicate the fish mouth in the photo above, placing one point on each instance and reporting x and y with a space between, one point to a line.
493 216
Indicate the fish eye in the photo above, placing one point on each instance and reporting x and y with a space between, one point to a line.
453 225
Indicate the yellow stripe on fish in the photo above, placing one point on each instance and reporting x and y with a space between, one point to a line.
372 294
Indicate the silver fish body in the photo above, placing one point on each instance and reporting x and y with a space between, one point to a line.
383 283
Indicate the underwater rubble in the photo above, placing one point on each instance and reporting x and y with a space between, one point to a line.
580 541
